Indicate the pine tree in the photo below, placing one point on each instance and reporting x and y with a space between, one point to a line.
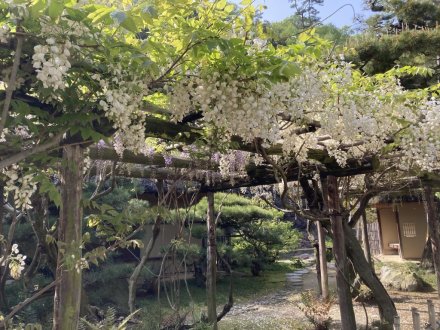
306 11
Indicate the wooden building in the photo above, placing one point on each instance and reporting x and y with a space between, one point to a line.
403 228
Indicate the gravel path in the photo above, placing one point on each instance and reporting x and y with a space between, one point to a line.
277 310
280 310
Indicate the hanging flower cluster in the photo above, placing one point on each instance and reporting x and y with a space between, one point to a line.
122 101
20 185
51 62
229 103
352 116
4 33
233 163
16 262
422 142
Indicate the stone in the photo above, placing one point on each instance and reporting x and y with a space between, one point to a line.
400 280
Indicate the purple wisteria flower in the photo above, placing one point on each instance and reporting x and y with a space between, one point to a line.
168 160
150 152
101 144
216 157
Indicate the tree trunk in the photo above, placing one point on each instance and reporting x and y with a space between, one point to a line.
365 239
322 261
132 282
433 228
387 310
211 256
348 320
67 298
426 261
2 268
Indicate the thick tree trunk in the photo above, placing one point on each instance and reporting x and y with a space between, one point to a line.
322 261
387 310
432 214
348 320
67 298
211 256
132 282
365 239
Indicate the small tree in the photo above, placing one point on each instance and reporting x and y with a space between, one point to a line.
257 233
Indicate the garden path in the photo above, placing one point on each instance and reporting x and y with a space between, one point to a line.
280 309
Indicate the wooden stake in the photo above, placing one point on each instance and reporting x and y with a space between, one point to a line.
211 256
415 318
431 313
396 325
348 320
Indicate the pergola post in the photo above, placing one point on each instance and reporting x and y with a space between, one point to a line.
67 297
211 256
322 261
348 320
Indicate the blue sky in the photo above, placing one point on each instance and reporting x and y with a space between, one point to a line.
280 9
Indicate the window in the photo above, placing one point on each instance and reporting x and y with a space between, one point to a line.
409 229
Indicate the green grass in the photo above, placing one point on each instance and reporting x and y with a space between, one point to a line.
245 288
274 324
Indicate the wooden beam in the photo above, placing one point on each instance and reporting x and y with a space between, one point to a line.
105 153
214 181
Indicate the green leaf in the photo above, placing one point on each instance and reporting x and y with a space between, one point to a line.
36 7
130 24
289 69
55 8
118 16
100 14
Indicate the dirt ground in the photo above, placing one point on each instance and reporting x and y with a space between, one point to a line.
280 310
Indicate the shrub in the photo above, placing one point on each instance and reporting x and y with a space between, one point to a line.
317 310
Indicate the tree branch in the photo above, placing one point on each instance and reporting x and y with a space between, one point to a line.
96 195
23 304
32 151
11 84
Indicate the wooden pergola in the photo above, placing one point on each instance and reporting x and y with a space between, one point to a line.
205 172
